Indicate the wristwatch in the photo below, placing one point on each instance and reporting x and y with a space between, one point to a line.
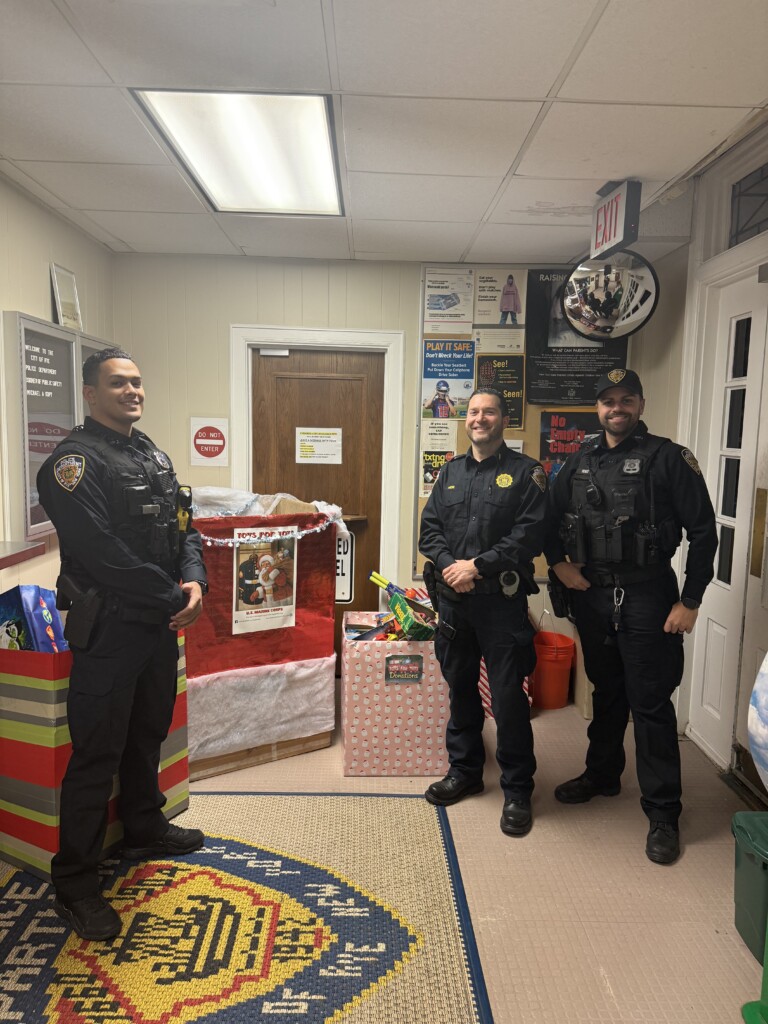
202 584
688 602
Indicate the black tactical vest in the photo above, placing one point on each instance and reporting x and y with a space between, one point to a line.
612 517
142 495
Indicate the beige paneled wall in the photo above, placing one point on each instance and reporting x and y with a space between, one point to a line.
656 352
31 238
174 314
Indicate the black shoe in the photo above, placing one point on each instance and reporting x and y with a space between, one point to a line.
516 818
91 917
663 843
175 841
450 790
578 791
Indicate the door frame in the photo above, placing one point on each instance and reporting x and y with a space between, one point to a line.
712 266
245 338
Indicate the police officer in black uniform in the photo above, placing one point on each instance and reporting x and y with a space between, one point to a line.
126 542
618 510
481 529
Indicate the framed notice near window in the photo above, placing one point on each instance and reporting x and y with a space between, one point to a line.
48 404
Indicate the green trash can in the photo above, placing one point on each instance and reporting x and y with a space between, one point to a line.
750 829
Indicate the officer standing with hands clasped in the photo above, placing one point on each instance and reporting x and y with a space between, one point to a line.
481 529
618 510
127 540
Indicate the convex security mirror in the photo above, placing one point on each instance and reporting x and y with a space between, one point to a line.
611 297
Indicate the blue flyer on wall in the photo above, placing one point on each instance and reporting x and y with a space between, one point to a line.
448 378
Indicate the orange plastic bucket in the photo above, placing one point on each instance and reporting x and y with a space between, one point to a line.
552 675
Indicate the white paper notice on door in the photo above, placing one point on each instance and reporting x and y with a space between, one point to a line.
318 445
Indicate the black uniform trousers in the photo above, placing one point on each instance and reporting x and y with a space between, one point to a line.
122 692
497 629
637 669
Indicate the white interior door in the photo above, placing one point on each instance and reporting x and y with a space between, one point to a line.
755 643
735 328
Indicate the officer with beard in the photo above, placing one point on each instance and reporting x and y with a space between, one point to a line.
618 509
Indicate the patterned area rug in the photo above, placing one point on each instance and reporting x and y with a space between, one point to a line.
301 909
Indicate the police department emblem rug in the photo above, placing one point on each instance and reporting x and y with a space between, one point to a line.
302 909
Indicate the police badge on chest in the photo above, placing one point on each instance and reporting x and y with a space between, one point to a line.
631 466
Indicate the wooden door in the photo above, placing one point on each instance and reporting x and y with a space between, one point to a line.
339 390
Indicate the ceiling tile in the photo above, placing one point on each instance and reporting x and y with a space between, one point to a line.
639 142
96 231
208 44
419 196
539 201
689 53
492 50
37 44
309 237
147 187
12 171
167 232
440 137
529 244
41 122
412 240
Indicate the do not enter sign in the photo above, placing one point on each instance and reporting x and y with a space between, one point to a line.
209 442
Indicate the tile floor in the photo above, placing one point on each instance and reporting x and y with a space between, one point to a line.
573 923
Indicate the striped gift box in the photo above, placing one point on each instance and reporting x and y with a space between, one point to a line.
35 748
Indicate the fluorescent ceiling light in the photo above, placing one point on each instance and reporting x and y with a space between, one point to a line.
252 153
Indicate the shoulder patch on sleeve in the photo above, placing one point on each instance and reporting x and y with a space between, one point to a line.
68 471
539 478
690 458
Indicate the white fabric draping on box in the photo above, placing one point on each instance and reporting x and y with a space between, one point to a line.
250 707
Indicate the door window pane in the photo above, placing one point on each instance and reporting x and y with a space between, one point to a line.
735 418
741 348
730 487
749 206
725 554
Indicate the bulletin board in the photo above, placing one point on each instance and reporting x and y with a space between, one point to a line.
503 327
47 359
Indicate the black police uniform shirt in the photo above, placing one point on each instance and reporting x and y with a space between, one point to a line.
78 489
680 496
492 511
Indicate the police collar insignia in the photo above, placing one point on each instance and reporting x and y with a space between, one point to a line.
161 459
540 478
69 471
504 480
690 458
631 465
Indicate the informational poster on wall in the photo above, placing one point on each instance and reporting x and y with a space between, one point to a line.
264 586
448 300
562 366
448 377
507 374
562 433
318 446
438 446
499 339
49 413
499 297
